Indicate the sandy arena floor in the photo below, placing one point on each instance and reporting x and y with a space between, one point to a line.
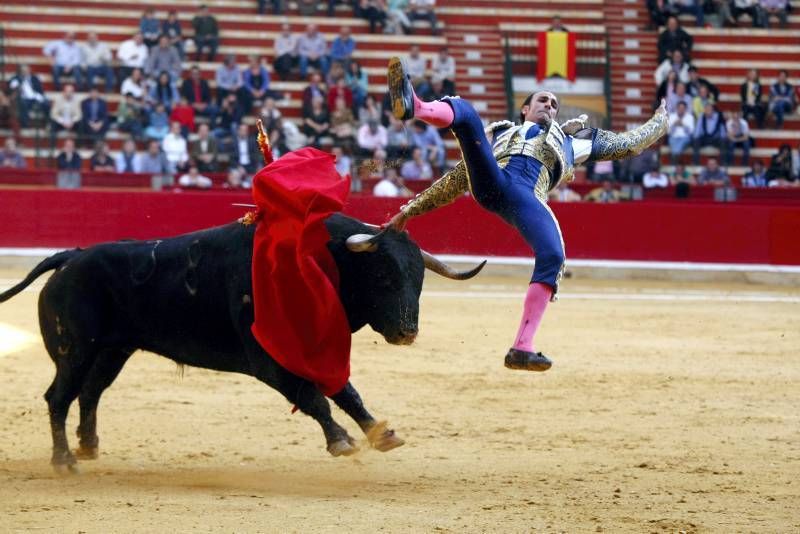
669 408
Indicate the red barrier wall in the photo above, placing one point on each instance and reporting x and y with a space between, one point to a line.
668 231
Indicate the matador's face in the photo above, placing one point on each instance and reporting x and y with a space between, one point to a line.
542 109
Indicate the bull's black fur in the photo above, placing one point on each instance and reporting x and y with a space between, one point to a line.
189 298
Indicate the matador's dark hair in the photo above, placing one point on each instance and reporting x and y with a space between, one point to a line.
525 102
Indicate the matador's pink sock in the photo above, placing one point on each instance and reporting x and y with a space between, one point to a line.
536 301
437 113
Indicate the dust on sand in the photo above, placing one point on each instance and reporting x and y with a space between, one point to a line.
659 415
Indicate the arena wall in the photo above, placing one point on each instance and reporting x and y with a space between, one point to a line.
650 231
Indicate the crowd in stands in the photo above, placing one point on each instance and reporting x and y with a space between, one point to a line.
179 127
723 13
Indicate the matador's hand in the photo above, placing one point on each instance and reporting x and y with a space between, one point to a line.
398 222
663 107
573 126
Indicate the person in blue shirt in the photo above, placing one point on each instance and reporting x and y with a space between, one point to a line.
511 176
343 47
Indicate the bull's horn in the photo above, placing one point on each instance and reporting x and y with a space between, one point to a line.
439 267
363 242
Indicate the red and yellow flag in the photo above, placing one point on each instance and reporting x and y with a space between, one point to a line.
556 55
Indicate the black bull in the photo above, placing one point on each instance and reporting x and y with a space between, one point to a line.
189 298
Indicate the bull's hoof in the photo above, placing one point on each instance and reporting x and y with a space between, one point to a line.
87 453
382 438
342 447
65 470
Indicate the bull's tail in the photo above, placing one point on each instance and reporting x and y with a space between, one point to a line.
53 262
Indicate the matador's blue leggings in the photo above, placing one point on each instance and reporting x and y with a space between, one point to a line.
509 192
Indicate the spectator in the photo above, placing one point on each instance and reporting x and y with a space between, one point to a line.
171 28
285 52
738 137
756 176
695 82
204 150
428 139
29 93
229 80
681 130
416 168
774 8
398 140
66 112
158 123
444 67
780 168
680 96
291 135
132 54
9 109
206 33
96 118
255 80
342 124
782 99
314 89
709 131
316 122
335 73
101 159
128 160
604 194
675 63
163 58
681 175
97 62
424 10
562 193
163 92
659 12
374 11
228 119
340 90
397 17
601 170
197 93
703 98
343 47
129 116
666 90
372 136
245 155
557 26
68 164
357 81
134 85
183 114
307 8
751 92
417 68
796 162
391 185
154 162
693 7
236 179
194 180
344 163
750 7
10 156
713 174
149 27
633 169
674 37
370 111
175 149
655 178
312 51
65 58
269 113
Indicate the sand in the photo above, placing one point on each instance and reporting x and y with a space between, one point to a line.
670 407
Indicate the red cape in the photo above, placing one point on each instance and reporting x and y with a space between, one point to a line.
299 318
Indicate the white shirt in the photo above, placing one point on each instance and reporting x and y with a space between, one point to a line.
96 55
129 86
681 126
446 68
655 179
187 180
132 55
174 146
244 152
386 188
371 141
416 66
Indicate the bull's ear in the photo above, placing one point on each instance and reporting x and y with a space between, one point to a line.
362 243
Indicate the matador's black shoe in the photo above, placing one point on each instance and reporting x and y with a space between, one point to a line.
401 92
527 361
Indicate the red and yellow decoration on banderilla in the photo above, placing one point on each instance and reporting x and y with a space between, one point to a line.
263 143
